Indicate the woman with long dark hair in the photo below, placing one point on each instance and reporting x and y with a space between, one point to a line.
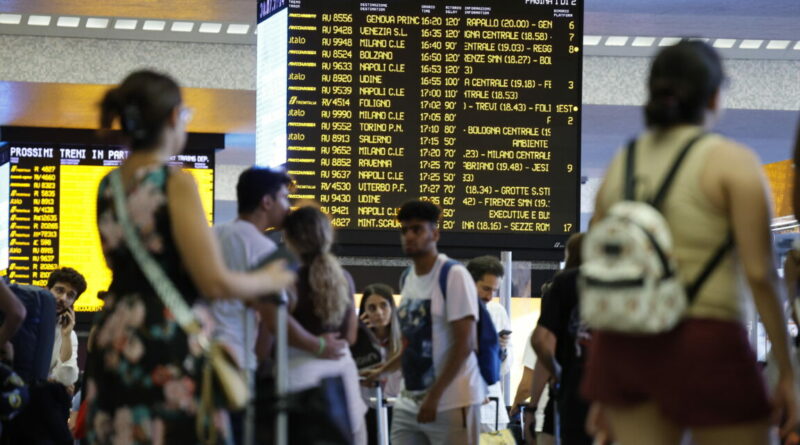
378 311
702 375
143 371
323 303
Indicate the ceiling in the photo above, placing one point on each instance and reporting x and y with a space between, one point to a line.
214 10
61 105
775 19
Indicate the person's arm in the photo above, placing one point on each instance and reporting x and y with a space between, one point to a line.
540 379
201 254
352 320
790 280
745 191
300 338
463 346
523 389
66 371
67 330
544 343
388 367
504 323
352 327
13 312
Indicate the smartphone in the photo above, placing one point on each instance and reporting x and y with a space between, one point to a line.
63 317
504 333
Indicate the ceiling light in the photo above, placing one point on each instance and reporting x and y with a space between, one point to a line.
750 44
10 19
154 25
126 24
724 43
236 28
39 20
669 41
643 41
68 22
96 23
591 40
616 41
778 44
182 26
210 28
797 46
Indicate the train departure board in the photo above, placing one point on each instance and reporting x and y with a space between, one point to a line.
50 215
473 105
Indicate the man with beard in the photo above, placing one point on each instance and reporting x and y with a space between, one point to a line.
66 284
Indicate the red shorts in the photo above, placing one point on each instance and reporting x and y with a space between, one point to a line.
702 373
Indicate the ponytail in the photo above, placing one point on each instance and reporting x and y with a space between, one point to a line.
330 290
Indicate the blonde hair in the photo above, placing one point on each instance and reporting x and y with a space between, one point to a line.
309 233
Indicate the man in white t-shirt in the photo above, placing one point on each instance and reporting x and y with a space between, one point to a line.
66 284
443 390
263 202
487 271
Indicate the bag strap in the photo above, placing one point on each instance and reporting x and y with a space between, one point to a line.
673 171
693 289
404 276
166 291
443 273
630 167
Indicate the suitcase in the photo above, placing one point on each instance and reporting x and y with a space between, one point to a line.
382 414
503 437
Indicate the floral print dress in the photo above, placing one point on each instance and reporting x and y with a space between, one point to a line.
142 383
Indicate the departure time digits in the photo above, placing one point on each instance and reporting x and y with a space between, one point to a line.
475 108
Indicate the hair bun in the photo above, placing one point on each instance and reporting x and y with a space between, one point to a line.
132 122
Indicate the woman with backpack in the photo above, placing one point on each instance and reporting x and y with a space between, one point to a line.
700 375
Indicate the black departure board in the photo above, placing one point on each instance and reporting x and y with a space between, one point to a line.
472 105
51 209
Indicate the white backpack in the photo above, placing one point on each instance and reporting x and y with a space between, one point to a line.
628 281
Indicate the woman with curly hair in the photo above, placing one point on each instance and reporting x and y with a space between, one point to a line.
323 303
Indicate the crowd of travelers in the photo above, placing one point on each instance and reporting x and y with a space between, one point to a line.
640 339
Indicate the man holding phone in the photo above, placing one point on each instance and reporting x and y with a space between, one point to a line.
487 271
66 284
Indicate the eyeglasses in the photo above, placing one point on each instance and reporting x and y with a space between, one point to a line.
186 114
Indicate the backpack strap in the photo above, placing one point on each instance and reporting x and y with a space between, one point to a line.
404 276
673 171
443 273
693 289
630 167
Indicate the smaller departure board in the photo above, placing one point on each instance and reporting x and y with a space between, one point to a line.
51 209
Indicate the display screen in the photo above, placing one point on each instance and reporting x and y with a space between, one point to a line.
52 193
474 106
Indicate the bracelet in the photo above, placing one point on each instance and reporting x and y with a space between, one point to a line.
321 346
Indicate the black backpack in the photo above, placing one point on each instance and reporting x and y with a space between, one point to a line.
33 342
